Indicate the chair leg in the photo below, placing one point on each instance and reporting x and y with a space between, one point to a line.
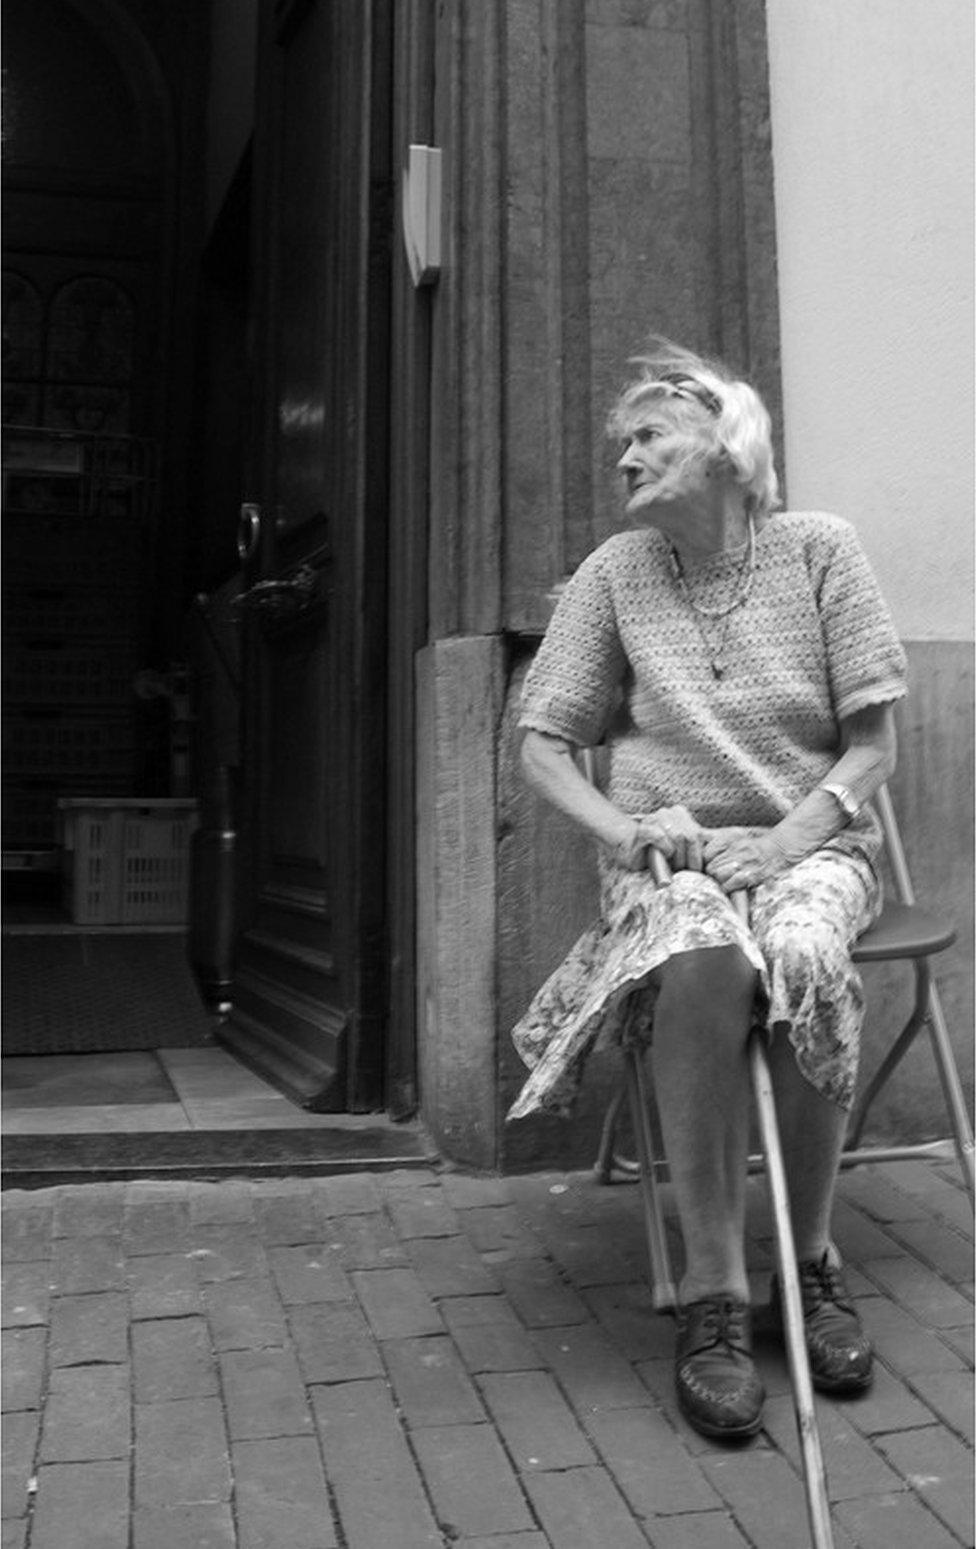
818 1506
604 1164
945 1061
895 1055
927 1010
662 1280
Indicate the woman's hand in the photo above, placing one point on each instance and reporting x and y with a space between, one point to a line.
677 835
743 857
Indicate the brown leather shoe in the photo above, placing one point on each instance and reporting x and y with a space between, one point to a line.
718 1387
839 1351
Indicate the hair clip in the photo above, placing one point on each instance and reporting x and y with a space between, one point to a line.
687 387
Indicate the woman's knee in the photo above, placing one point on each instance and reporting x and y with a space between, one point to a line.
712 988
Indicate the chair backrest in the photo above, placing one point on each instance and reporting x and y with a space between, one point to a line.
894 848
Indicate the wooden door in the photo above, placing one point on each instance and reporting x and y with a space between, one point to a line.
310 981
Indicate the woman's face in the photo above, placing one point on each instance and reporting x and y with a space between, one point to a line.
663 462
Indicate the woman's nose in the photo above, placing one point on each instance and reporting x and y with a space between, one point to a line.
626 459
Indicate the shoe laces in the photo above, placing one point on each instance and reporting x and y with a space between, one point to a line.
822 1283
724 1323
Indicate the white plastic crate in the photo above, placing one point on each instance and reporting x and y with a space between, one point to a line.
127 862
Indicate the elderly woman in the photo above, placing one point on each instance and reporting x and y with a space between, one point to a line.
742 668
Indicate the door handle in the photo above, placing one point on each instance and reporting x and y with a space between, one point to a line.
248 532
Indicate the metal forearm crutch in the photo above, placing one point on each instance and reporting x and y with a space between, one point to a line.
814 1474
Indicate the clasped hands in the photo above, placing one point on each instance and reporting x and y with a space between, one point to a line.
735 857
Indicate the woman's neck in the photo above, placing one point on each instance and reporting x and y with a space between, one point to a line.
701 528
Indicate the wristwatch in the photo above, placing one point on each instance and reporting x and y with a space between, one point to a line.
844 799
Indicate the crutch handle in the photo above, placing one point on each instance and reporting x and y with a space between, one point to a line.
658 866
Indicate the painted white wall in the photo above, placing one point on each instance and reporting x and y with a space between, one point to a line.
872 104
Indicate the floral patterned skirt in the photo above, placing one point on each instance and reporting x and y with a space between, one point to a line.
802 927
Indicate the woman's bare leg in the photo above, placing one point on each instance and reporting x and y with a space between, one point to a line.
701 1026
812 1130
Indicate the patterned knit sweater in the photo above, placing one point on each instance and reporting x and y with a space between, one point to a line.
626 660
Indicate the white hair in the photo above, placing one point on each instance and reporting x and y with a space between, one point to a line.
721 418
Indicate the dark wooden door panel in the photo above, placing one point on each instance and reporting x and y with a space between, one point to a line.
310 953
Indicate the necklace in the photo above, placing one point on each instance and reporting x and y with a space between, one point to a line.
705 616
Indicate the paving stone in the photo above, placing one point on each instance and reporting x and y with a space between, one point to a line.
497 1347
185 1527
88 1264
431 1385
499 1230
84 1505
87 1415
583 1507
888 1405
879 1196
366 1241
941 1196
649 1463
22 1368
853 1466
245 1315
471 1481
765 1496
286 1220
940 1469
540 1296
940 1246
264 1394
589 1370
465 1192
333 1343
626 1314
396 1303
858 1237
223 1202
346 1196
281 1496
697 1530
18 1434
449 1266
476 1311
27 1228
508 1541
172 1359
155 1226
921 1291
949 1395
228 1250
375 1484
587 1257
537 1425
181 1453
92 1211
962 1341
311 1273
421 1212
893 1522
26 1296
85 1329
164 1285
902 1342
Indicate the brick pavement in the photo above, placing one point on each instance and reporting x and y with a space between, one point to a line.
417 1359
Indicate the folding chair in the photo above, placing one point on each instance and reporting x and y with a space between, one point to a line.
907 933
903 932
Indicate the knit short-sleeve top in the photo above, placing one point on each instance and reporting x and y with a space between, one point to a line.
626 660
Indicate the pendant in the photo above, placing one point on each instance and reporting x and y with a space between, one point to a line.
718 671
